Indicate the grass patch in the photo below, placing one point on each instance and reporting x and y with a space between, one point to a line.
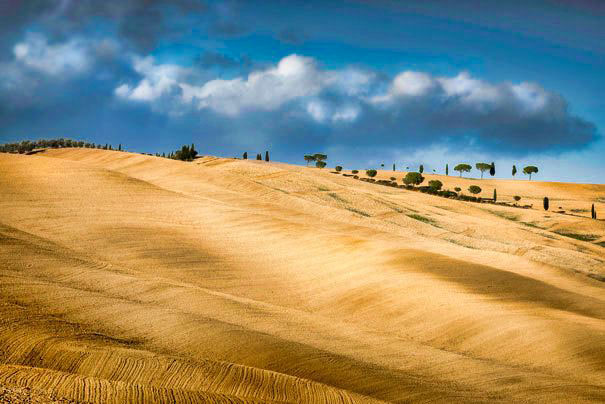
388 205
270 187
460 244
550 236
504 215
337 197
359 212
323 189
420 218
580 210
598 277
577 236
601 243
528 224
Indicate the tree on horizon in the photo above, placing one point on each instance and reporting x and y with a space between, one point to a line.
483 167
529 170
463 167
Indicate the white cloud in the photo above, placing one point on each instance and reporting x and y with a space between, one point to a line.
347 113
36 53
531 96
351 81
293 78
157 80
468 89
466 92
411 84
459 104
317 110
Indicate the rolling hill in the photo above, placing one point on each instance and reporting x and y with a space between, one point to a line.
131 278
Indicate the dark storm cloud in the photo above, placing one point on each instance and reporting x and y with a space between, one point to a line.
140 22
297 97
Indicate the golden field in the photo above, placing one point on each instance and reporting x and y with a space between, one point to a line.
131 278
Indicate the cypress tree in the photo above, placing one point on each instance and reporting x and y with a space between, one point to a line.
245 156
593 214
545 203
495 195
393 166
447 169
259 157
514 170
492 169
421 169
267 155
120 147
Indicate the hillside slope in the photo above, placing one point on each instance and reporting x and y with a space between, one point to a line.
127 277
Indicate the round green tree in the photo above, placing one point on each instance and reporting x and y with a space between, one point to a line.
463 167
413 178
483 167
474 189
435 185
309 158
529 170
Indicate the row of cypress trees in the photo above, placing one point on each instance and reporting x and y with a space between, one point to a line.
259 156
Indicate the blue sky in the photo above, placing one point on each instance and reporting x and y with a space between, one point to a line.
429 82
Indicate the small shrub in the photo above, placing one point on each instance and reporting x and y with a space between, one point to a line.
457 189
393 179
354 172
435 185
413 178
546 203
338 168
517 198
320 164
371 173
356 177
474 189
